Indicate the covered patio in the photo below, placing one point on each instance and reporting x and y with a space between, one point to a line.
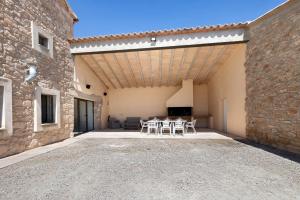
193 73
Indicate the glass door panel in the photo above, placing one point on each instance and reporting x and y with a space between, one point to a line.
82 116
90 115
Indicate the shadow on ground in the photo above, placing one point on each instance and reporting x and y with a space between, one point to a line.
282 153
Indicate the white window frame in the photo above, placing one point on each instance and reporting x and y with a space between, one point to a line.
36 31
38 126
7 106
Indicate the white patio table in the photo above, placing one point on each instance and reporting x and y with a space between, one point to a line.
159 122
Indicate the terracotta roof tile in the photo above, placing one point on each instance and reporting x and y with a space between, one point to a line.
160 33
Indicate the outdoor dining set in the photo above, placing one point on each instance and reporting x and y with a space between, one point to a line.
159 126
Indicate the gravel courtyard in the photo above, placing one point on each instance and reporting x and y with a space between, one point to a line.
153 169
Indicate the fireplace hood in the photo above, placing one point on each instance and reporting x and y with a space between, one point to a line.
183 97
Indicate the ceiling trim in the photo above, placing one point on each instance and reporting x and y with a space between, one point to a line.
182 40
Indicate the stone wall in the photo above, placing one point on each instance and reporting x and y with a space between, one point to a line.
1 37
53 73
273 79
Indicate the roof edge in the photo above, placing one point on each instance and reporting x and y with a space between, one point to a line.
245 25
160 33
273 11
71 12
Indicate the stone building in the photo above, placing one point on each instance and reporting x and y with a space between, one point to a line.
246 76
34 36
242 79
273 78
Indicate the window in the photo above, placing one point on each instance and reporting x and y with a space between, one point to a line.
1 105
43 41
48 109
6 106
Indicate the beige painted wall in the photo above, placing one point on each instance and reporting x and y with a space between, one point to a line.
200 100
146 102
183 97
141 102
229 83
84 75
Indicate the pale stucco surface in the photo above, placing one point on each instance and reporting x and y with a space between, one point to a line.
147 102
139 102
200 100
84 75
229 83
183 97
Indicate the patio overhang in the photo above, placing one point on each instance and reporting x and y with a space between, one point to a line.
163 58
234 33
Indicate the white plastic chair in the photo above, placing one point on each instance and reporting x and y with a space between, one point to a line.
153 125
191 125
179 126
166 125
143 125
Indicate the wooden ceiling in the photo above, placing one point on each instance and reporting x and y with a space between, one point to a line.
161 67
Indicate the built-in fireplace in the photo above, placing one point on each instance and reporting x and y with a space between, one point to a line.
180 111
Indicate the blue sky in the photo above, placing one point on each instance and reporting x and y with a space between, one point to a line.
102 17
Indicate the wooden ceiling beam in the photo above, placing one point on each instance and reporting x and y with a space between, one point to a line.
126 68
111 69
160 66
141 68
192 64
96 74
170 66
209 53
121 69
180 66
166 58
130 68
105 75
151 69
145 63
217 63
178 53
216 59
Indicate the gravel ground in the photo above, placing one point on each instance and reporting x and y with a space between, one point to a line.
153 169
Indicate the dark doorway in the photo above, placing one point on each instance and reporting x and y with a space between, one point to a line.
83 115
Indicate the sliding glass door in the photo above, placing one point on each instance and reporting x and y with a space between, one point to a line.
90 115
83 115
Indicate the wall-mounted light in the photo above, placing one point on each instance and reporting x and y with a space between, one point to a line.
31 73
153 39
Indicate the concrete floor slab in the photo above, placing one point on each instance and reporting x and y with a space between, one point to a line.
109 133
203 134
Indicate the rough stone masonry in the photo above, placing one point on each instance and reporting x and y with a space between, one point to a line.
16 53
273 79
